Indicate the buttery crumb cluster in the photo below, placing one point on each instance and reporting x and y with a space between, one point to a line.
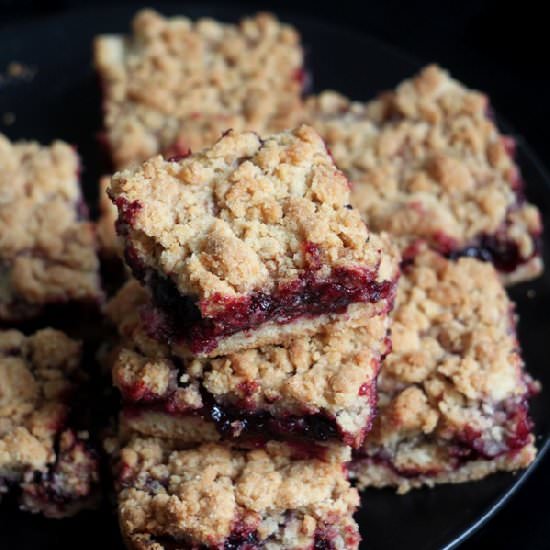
42 453
428 162
47 249
453 393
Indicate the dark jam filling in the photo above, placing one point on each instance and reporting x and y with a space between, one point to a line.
307 296
74 456
233 422
241 538
502 253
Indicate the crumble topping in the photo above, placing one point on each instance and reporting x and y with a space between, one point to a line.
246 215
47 254
332 372
453 388
175 85
273 495
428 162
37 375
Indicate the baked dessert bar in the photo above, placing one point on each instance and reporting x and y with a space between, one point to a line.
47 248
453 393
252 239
176 85
43 456
275 496
428 162
321 387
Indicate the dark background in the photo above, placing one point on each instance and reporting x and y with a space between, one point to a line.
500 48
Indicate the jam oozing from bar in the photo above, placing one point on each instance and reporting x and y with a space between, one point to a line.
233 422
304 297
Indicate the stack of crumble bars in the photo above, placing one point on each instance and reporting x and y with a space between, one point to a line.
251 338
48 263
250 345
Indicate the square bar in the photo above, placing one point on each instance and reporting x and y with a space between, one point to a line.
43 456
250 241
428 162
175 85
453 394
276 496
47 248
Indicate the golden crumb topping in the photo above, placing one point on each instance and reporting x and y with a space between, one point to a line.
177 85
245 215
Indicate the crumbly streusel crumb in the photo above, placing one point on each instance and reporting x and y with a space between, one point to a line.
453 390
428 162
236 218
271 495
47 253
175 85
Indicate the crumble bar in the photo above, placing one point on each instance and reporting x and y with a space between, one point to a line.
175 85
277 496
428 162
321 386
41 453
47 249
252 236
453 393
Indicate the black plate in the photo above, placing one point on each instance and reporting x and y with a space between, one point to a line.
62 101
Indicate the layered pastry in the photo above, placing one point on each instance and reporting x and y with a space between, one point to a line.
276 496
175 85
320 387
47 246
453 394
250 242
45 456
428 162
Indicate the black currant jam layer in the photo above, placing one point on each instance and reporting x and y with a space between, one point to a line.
69 483
503 253
233 422
307 296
